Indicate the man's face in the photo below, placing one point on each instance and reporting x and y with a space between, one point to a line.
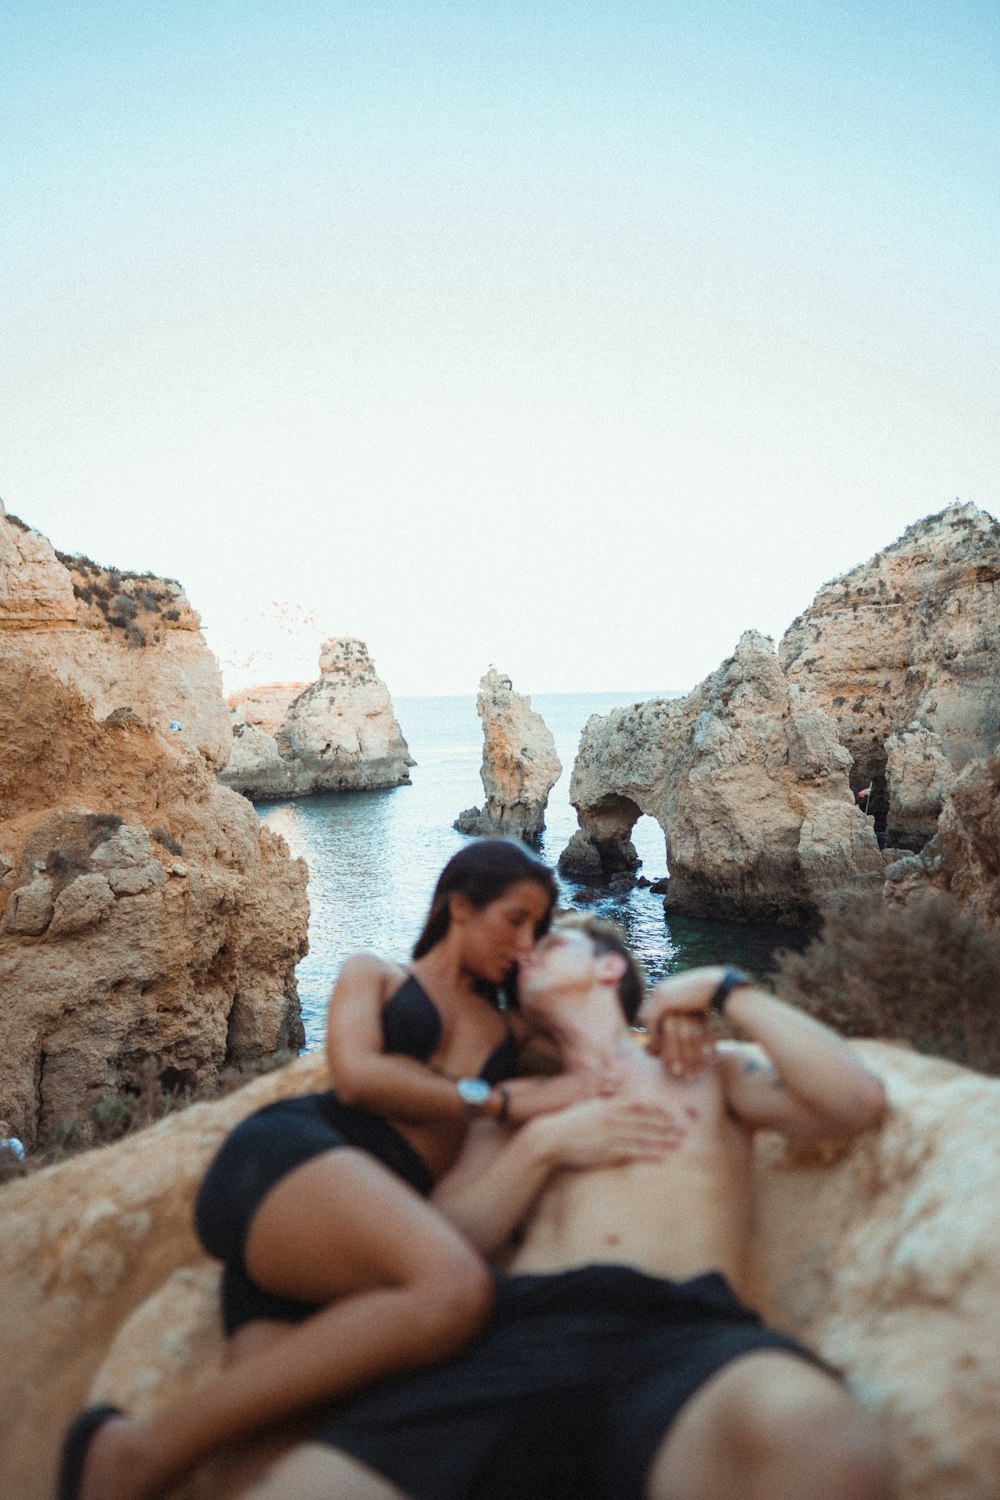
562 962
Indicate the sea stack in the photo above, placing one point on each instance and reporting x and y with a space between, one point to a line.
148 923
338 734
520 765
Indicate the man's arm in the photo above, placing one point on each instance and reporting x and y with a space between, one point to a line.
493 1185
800 1078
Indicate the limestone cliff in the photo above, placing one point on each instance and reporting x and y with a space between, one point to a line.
748 782
910 636
144 913
520 765
338 734
881 1254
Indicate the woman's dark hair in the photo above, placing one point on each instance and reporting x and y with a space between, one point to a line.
482 872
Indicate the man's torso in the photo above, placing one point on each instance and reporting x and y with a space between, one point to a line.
674 1218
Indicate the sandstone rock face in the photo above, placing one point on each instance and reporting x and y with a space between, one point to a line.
963 857
123 640
911 635
749 783
144 913
520 764
882 1255
338 734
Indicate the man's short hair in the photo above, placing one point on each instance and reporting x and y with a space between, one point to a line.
607 937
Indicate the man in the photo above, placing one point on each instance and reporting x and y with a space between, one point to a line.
621 1364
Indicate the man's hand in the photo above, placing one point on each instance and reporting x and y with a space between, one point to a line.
675 1015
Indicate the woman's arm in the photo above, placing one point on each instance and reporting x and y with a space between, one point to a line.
499 1175
403 1088
365 1076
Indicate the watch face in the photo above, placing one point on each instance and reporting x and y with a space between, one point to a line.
473 1090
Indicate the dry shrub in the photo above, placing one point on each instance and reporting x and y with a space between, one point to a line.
926 973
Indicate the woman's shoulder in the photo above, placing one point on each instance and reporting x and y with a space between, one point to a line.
371 968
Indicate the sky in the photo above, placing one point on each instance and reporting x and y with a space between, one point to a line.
575 338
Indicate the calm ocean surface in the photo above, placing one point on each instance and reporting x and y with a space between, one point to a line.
373 857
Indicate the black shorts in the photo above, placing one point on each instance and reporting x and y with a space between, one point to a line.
567 1396
254 1157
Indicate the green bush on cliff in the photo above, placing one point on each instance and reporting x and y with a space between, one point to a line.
926 973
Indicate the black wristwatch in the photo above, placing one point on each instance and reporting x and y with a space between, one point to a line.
732 979
475 1094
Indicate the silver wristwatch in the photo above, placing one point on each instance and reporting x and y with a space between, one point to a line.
474 1094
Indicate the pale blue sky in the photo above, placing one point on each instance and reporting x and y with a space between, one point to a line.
572 338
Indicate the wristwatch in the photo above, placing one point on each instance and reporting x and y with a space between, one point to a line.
732 979
475 1094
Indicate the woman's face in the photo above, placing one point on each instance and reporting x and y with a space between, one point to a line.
497 937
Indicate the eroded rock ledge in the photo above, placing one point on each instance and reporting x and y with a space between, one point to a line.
520 765
336 734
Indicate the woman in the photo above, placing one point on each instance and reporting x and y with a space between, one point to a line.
314 1204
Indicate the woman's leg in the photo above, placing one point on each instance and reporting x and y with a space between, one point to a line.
398 1288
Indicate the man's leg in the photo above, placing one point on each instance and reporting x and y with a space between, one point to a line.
314 1472
771 1426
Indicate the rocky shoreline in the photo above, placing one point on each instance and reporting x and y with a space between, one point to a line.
147 918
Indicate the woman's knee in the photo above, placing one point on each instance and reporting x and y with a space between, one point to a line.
455 1298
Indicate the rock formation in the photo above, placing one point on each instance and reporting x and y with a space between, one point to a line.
749 783
520 765
118 638
882 1255
144 912
338 734
963 857
910 636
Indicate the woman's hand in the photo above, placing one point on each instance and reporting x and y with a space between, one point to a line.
607 1132
526 1098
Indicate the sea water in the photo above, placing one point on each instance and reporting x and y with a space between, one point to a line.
374 857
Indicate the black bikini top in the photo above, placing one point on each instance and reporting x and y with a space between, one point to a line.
411 1025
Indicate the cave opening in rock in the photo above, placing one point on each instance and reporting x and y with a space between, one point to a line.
651 846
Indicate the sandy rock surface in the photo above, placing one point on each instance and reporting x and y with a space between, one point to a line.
520 765
106 1290
883 1255
886 1258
